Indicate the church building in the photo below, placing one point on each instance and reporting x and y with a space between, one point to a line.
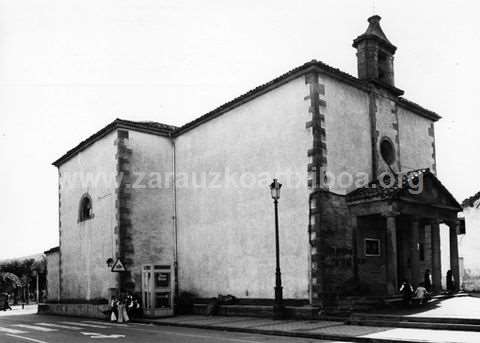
157 210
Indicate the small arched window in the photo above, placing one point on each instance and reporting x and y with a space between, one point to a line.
86 211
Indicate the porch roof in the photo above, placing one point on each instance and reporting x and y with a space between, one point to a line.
417 192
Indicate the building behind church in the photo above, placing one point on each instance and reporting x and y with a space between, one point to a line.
469 245
187 209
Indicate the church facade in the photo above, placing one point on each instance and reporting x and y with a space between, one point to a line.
188 209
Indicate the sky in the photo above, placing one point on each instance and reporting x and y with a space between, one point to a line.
68 68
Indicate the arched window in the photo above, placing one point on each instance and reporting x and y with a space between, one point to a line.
85 212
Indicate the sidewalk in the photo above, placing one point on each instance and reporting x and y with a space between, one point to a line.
318 329
18 310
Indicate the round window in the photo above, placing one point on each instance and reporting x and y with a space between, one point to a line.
387 150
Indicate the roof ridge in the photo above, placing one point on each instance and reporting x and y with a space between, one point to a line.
332 71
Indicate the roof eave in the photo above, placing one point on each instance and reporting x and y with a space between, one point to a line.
312 66
52 250
116 124
418 109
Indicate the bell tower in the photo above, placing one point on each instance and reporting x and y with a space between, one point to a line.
375 54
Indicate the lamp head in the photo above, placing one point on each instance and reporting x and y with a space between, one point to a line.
275 189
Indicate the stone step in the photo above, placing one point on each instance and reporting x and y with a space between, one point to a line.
261 311
399 318
416 325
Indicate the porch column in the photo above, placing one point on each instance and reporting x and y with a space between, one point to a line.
454 267
391 255
414 253
436 257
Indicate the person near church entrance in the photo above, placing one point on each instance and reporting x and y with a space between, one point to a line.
406 290
450 282
421 294
427 281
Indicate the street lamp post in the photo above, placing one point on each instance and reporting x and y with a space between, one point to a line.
278 309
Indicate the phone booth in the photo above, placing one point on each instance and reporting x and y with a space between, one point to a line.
158 290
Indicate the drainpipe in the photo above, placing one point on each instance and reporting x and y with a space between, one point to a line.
174 218
310 244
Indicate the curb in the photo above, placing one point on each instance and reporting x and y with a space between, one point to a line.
343 338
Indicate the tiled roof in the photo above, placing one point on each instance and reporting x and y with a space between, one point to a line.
470 202
142 126
374 31
52 250
375 189
169 130
313 65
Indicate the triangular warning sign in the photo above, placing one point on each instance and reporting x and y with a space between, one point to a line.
118 266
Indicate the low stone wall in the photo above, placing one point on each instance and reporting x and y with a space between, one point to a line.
80 310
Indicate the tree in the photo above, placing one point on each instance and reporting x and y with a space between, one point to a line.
9 282
25 270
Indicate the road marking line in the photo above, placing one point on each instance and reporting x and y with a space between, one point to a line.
99 335
26 338
103 323
89 325
33 327
60 326
11 330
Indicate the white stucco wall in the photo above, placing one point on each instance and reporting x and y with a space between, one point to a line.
348 135
85 246
347 127
53 276
226 234
469 244
415 142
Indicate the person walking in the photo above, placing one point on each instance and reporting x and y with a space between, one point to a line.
427 280
122 311
113 309
450 282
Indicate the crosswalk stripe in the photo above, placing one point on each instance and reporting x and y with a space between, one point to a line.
26 338
7 330
114 324
60 326
88 325
33 327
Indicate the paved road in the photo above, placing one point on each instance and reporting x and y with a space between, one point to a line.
24 328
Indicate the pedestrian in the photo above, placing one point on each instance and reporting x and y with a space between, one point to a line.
113 309
132 307
427 281
406 290
122 311
450 282
421 294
